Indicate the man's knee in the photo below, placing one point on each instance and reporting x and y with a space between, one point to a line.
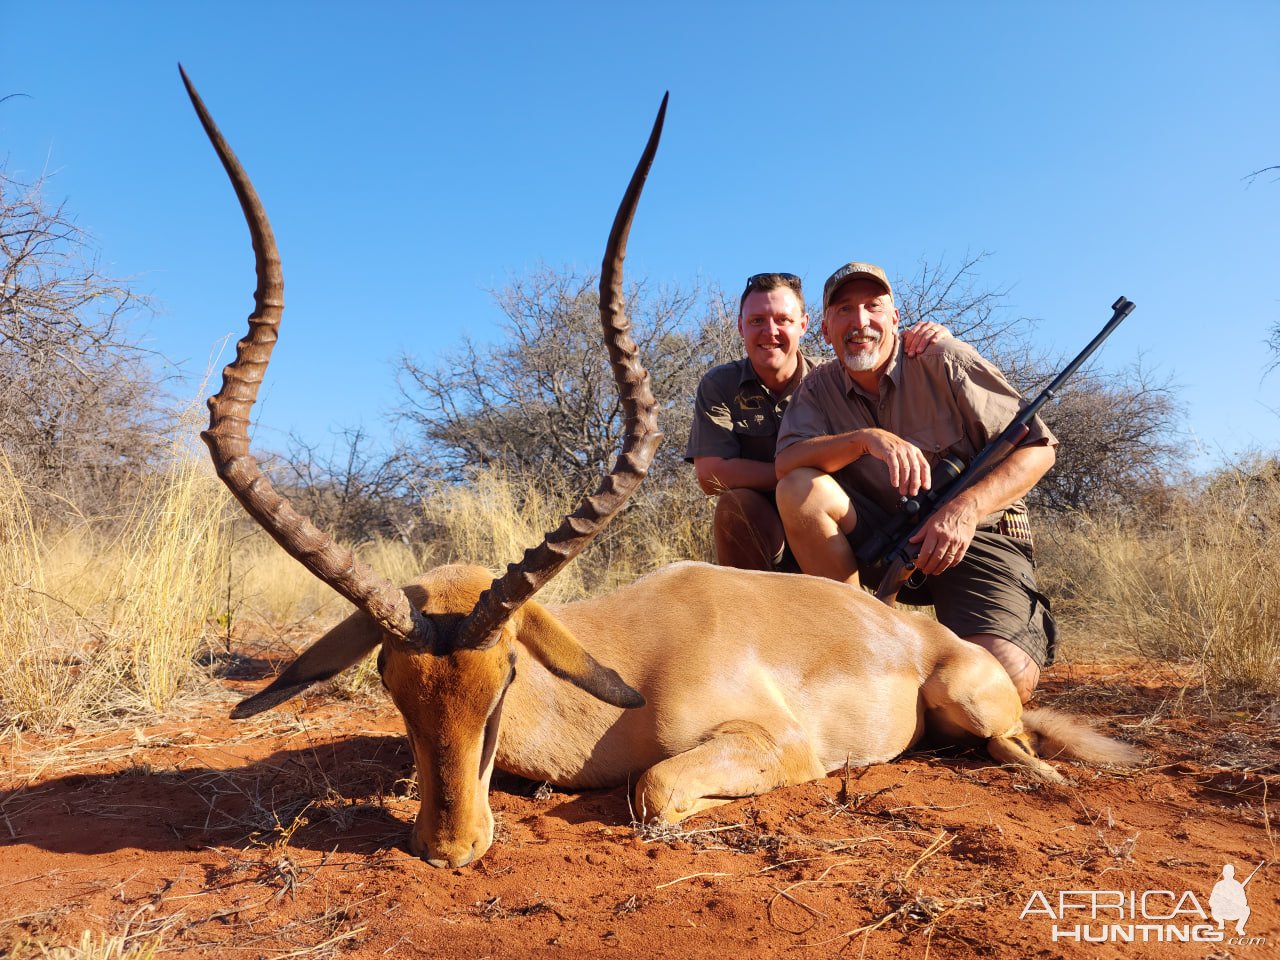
801 491
1022 669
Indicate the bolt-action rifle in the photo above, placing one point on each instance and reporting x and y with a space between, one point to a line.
892 549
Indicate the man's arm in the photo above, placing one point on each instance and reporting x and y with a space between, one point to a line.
717 474
946 537
908 468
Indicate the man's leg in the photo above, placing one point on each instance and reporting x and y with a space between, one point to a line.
1244 915
1011 621
818 519
747 530
1022 670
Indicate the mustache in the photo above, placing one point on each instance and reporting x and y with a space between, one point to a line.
869 336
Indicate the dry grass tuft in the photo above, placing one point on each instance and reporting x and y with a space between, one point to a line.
168 584
1202 586
26 682
107 615
139 945
494 519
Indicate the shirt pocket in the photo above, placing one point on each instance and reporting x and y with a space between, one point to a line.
757 434
754 423
938 440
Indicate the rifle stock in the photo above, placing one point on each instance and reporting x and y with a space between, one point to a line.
895 578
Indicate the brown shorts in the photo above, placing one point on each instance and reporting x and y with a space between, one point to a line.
992 590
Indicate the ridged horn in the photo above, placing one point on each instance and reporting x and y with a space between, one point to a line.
228 436
640 441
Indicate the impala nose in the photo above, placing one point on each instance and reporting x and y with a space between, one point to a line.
448 855
459 859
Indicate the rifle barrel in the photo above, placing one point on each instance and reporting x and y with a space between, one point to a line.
1121 309
1016 432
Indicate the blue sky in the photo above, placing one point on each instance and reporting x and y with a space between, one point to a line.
413 157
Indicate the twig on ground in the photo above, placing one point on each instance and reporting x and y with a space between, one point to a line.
691 876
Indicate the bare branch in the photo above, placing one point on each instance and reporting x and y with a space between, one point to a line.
1257 173
542 402
77 399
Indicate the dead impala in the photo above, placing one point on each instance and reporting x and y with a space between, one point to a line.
714 705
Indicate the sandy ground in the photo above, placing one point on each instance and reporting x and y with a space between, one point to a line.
285 836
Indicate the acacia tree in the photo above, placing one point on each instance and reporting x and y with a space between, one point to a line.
77 400
1118 448
349 487
542 402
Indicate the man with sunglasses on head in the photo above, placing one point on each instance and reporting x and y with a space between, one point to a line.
866 429
737 414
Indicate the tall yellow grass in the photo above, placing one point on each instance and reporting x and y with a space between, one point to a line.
493 519
107 615
26 682
102 618
1200 585
167 589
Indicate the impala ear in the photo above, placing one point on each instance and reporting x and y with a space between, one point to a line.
338 649
556 649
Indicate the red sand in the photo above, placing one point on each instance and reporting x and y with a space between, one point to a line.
286 836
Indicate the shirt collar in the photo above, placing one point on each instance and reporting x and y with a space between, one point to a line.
893 373
747 373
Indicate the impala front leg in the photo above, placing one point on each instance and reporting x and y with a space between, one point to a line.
738 759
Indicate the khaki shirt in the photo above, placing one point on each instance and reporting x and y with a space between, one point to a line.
946 401
735 416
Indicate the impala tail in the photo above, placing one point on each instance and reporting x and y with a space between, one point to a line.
1055 735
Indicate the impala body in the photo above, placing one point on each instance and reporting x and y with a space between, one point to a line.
750 681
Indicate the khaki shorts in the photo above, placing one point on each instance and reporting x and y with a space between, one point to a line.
992 590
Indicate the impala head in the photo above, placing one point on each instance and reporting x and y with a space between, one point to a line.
449 640
452 702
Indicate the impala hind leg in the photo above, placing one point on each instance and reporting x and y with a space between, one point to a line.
969 695
1016 749
738 759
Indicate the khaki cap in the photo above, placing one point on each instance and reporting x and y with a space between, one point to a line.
853 271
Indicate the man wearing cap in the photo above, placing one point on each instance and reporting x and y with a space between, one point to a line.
738 410
866 429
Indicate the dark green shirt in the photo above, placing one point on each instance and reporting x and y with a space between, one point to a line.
735 416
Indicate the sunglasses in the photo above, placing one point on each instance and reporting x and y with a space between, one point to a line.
788 278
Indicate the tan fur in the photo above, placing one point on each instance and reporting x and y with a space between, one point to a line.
751 680
1055 734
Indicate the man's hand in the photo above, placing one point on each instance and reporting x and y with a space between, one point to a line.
921 335
945 539
908 468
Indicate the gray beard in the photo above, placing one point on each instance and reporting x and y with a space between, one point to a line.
862 361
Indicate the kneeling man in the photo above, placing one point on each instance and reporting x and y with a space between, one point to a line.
737 413
865 429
